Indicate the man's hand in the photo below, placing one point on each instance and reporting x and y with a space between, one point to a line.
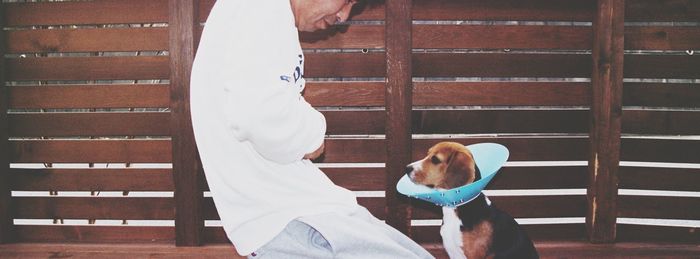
315 154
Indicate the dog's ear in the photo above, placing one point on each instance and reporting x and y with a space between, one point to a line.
460 170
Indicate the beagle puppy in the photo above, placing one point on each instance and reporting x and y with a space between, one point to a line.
475 229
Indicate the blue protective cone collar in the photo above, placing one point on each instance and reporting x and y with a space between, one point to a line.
489 158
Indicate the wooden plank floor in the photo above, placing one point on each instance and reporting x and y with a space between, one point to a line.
546 250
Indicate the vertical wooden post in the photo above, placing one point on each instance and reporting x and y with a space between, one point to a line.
189 222
6 225
398 108
606 114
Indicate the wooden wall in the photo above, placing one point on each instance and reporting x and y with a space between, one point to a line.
103 82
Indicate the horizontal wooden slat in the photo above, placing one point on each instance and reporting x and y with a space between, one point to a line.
86 40
549 37
662 66
499 121
509 10
90 151
463 121
360 94
658 207
661 95
89 96
123 179
661 122
550 177
94 234
136 249
454 93
521 148
519 207
662 11
501 37
662 38
558 232
86 12
660 150
355 64
355 122
501 93
344 36
88 68
501 65
94 208
585 249
90 124
376 206
650 178
134 11
664 234
552 10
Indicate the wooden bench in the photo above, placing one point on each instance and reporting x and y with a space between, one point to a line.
95 134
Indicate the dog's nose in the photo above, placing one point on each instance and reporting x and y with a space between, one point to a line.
408 170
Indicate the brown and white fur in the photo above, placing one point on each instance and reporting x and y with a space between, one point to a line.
475 229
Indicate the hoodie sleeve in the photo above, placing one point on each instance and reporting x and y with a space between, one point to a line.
280 125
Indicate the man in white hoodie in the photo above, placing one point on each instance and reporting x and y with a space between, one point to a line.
256 133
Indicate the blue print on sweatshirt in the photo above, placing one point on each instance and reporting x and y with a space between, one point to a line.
297 74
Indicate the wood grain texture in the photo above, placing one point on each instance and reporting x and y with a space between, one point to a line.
122 179
117 208
659 150
651 178
398 108
660 234
189 221
661 95
90 124
90 96
605 120
660 122
86 12
659 207
501 93
88 68
501 65
6 209
94 234
90 151
87 40
501 37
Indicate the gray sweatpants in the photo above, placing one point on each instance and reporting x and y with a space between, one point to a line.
332 235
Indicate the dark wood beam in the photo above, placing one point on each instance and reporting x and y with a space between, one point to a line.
189 222
606 114
6 211
398 101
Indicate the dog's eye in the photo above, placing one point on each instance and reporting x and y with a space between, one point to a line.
435 160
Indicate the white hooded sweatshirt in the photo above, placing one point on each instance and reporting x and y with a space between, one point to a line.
252 125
